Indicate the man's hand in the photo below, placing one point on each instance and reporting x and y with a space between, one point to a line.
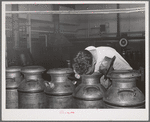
76 75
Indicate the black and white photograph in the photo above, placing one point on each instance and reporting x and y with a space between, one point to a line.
75 60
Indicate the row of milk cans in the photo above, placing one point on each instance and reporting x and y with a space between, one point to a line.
26 89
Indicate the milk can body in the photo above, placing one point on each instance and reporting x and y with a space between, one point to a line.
31 90
13 79
123 93
59 90
90 93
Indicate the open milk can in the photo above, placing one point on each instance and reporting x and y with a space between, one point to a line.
90 93
59 90
13 79
123 92
31 90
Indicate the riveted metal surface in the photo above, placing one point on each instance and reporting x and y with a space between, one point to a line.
88 104
11 99
124 107
31 100
58 102
31 94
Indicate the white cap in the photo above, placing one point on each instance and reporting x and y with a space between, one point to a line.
90 48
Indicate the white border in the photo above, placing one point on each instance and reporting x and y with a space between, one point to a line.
74 2
83 114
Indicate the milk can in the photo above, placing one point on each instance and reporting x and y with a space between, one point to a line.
13 79
59 90
123 93
89 93
31 90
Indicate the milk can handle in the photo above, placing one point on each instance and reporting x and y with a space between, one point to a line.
127 90
73 80
48 84
91 86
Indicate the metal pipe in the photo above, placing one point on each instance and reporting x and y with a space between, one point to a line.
42 31
125 9
48 31
105 11
42 12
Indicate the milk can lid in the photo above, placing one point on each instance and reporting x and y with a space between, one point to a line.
60 71
33 69
13 69
117 74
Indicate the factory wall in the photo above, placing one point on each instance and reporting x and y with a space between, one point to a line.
69 21
132 22
33 7
129 22
40 23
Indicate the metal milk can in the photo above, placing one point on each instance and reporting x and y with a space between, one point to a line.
59 90
31 90
13 79
89 93
123 93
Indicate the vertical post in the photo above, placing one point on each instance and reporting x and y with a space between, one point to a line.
118 22
57 32
15 27
46 40
6 61
88 26
29 45
56 19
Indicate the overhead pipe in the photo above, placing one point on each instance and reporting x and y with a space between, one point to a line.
104 11
62 12
64 32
